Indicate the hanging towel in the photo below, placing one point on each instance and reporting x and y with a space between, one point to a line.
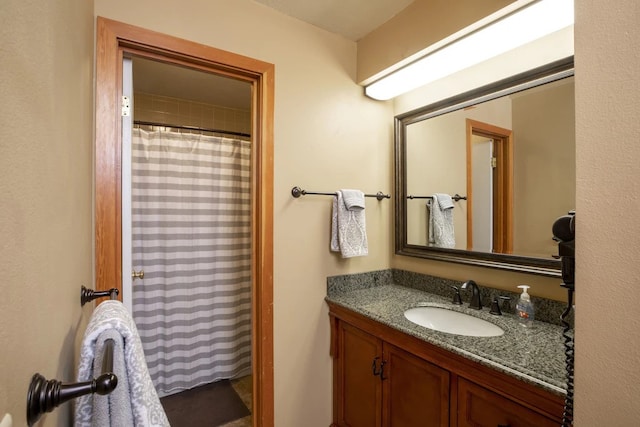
440 220
348 225
134 402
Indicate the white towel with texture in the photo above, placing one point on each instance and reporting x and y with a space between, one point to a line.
134 402
441 232
348 224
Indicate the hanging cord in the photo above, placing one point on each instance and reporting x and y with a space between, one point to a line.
567 415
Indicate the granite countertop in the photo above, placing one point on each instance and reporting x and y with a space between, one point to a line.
535 355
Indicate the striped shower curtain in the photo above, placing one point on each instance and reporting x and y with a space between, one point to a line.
191 225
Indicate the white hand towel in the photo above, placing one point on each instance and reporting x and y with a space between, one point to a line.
348 224
445 201
441 232
134 402
353 199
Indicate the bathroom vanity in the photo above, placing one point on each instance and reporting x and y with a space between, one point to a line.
388 371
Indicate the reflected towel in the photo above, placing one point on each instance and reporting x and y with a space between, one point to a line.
348 224
134 402
440 229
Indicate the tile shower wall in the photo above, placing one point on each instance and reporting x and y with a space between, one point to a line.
181 112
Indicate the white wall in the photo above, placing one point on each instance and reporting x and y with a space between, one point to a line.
327 136
608 200
45 193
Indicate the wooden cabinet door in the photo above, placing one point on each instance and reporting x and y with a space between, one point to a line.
359 393
479 407
415 392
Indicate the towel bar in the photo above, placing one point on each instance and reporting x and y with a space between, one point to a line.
297 192
455 197
46 395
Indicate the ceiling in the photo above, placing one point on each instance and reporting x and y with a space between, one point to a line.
352 19
163 79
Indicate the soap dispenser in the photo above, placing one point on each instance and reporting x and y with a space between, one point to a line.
524 308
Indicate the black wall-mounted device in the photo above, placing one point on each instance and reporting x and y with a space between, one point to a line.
564 232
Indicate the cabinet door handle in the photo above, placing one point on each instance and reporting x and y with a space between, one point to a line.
382 377
374 368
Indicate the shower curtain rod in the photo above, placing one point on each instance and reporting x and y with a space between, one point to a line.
196 128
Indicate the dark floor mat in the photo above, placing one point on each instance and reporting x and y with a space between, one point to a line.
209 405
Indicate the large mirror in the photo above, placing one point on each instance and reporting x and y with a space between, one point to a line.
481 177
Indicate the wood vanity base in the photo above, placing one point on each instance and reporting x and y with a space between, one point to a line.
383 377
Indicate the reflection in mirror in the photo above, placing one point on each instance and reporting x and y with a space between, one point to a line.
508 151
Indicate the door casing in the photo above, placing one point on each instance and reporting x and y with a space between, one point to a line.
114 40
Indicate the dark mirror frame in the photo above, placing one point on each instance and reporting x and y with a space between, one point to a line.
541 266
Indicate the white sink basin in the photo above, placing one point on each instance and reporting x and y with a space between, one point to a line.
452 322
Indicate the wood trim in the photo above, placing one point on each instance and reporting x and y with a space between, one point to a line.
507 220
453 403
503 184
333 344
115 39
469 187
108 224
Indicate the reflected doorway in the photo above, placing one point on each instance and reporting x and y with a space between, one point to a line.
489 188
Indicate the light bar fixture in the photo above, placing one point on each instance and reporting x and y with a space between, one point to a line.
524 25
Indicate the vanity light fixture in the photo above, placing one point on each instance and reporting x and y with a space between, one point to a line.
508 30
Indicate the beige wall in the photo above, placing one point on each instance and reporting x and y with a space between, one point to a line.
435 163
544 140
327 136
45 192
608 188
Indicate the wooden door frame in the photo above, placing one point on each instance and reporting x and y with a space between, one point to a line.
115 39
503 185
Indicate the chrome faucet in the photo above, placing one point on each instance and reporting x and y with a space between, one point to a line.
474 302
